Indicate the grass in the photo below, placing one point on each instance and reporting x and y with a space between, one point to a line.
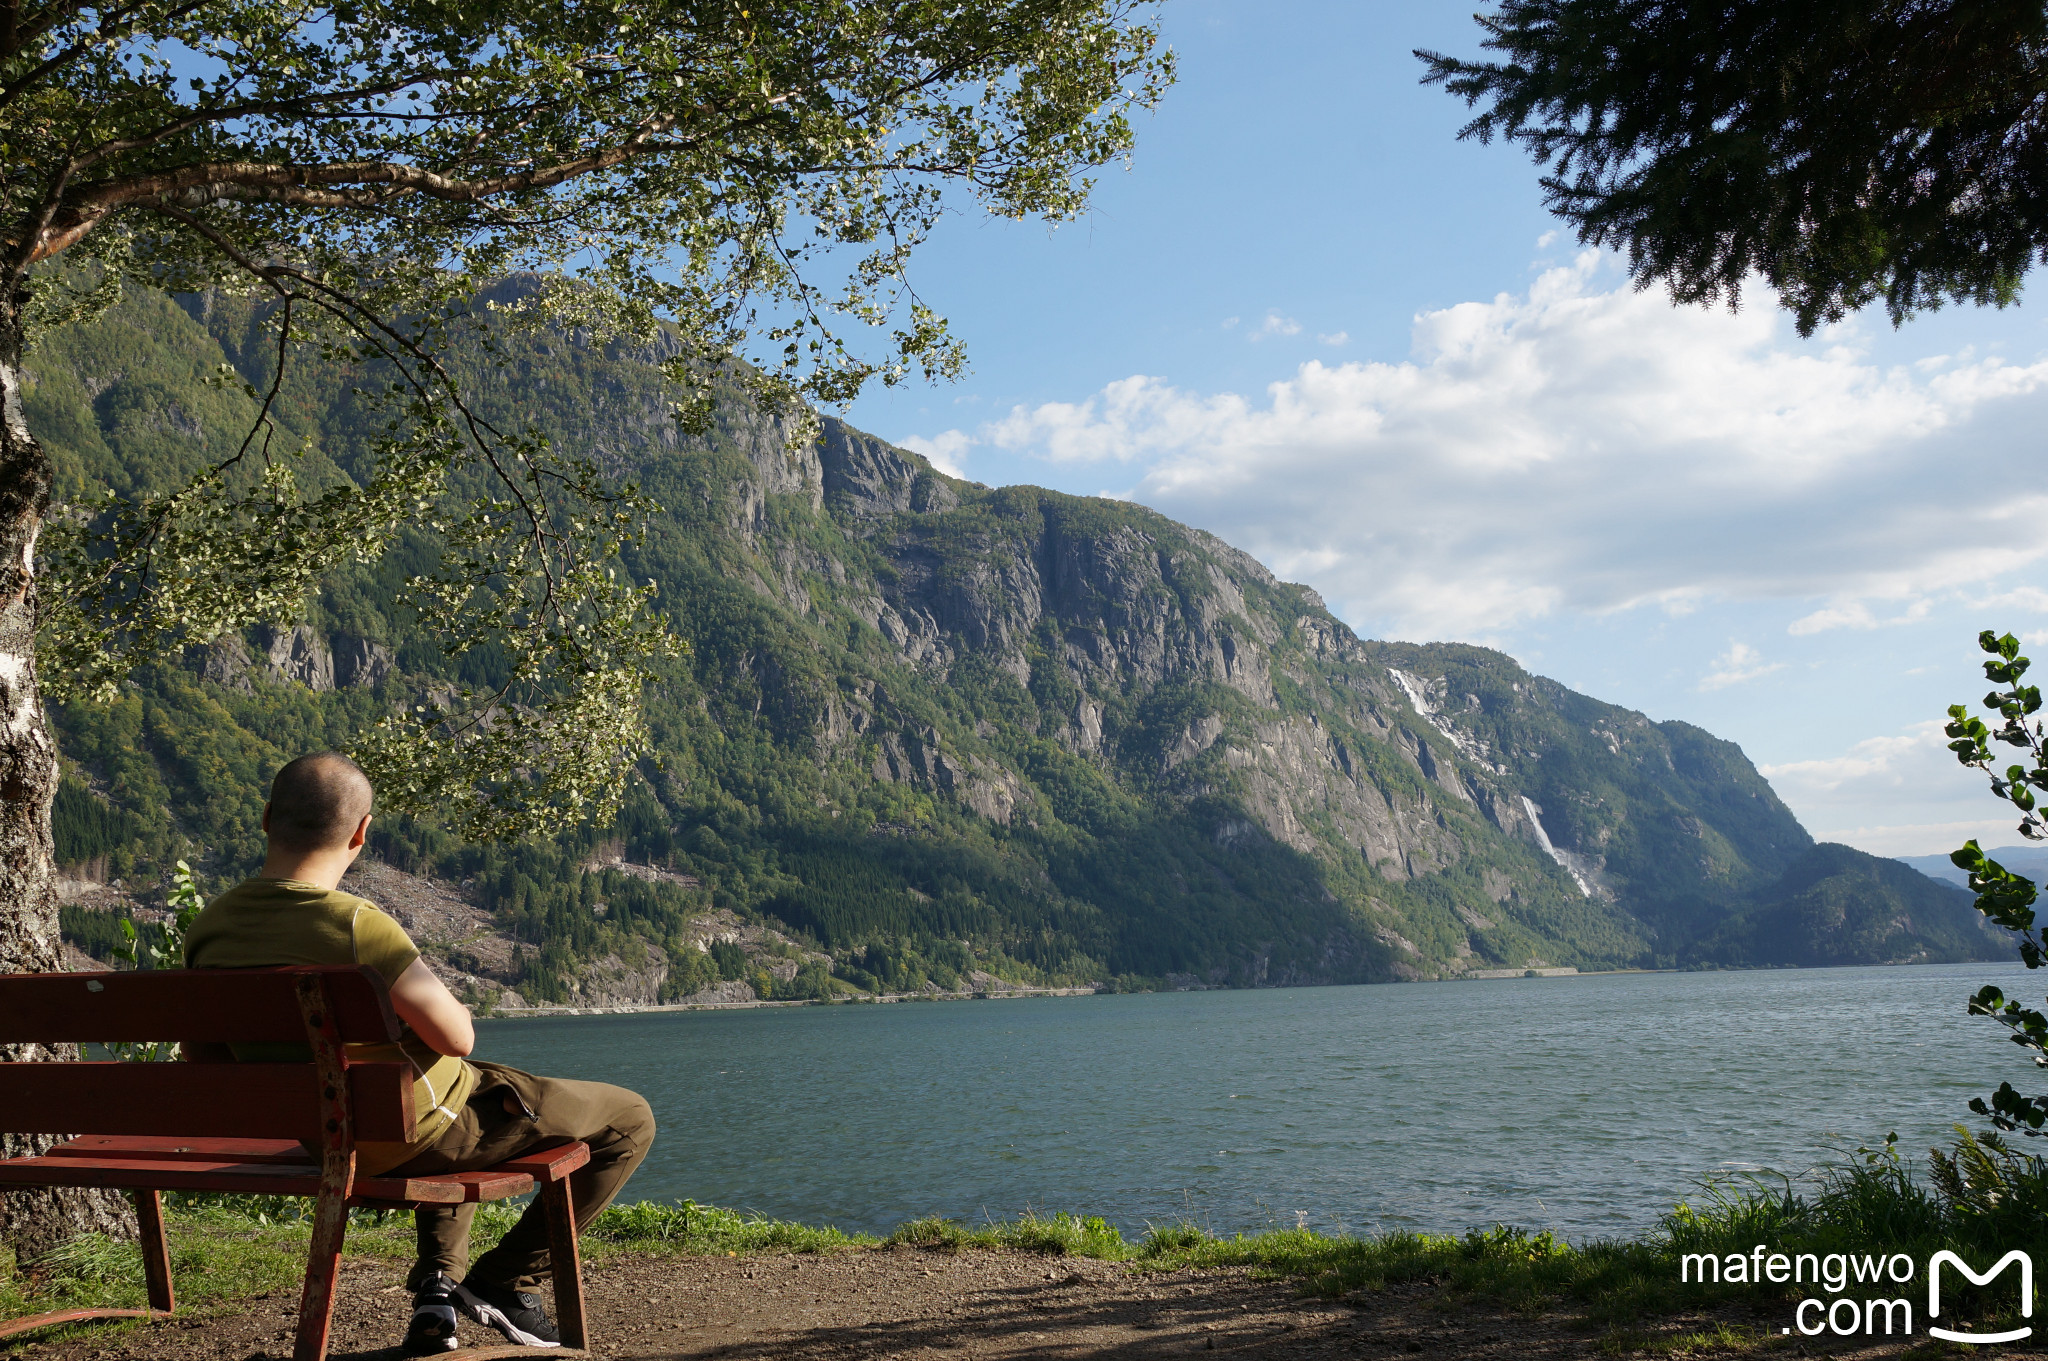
1058 1235
1519 1269
1719 1339
1980 1198
706 1231
214 1261
228 1249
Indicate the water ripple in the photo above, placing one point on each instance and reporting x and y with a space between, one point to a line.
1585 1105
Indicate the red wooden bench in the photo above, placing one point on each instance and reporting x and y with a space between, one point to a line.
148 1128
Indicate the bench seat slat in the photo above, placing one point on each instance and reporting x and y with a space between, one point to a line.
220 1006
263 1179
171 1148
244 1100
547 1164
492 1184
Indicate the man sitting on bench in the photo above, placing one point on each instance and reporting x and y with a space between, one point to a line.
471 1114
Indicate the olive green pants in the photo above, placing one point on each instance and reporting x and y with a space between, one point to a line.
511 1113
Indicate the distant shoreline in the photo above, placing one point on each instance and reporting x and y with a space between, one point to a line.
984 995
643 1008
1015 994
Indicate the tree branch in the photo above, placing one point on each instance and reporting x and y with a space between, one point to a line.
317 186
364 322
108 31
28 31
272 107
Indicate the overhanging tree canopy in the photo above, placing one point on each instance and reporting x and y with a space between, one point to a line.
370 166
1846 152
750 175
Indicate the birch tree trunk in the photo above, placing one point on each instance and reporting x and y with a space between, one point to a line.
31 1222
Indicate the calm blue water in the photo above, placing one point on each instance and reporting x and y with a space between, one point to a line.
1585 1105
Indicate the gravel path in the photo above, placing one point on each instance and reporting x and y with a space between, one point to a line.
904 1303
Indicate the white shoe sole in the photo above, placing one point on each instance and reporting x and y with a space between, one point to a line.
442 1339
484 1312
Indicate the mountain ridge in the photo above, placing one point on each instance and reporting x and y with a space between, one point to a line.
2031 861
931 728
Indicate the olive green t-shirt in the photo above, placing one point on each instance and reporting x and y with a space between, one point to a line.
267 922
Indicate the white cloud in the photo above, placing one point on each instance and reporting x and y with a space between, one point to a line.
947 452
2031 598
1890 760
1335 338
1585 449
1921 838
1275 325
1739 663
1931 804
1856 614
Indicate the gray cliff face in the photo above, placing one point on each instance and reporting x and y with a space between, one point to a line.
1463 816
298 655
358 661
1117 609
868 478
1131 607
1100 609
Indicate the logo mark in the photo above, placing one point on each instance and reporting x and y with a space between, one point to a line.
1934 1294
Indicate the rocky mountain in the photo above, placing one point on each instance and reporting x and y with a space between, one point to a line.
932 730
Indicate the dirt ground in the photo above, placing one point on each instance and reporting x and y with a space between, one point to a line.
906 1303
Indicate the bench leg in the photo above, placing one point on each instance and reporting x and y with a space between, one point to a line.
323 1266
565 1261
156 1253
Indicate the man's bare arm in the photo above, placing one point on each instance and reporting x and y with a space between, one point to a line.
423 1002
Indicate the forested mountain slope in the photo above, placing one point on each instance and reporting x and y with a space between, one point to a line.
930 729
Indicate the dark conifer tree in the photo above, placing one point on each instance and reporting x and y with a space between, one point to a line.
1844 151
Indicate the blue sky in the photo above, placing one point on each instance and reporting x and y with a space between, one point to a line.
1308 319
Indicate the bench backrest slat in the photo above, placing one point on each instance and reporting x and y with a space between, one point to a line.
222 1006
217 1100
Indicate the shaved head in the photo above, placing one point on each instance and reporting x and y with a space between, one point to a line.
316 802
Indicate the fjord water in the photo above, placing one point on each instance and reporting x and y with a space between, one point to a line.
1586 1105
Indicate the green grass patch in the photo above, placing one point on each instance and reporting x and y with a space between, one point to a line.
1980 1198
1519 1270
224 1250
1527 1273
705 1230
1057 1235
1718 1340
217 1261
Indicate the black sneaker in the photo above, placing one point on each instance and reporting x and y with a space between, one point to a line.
514 1313
432 1330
